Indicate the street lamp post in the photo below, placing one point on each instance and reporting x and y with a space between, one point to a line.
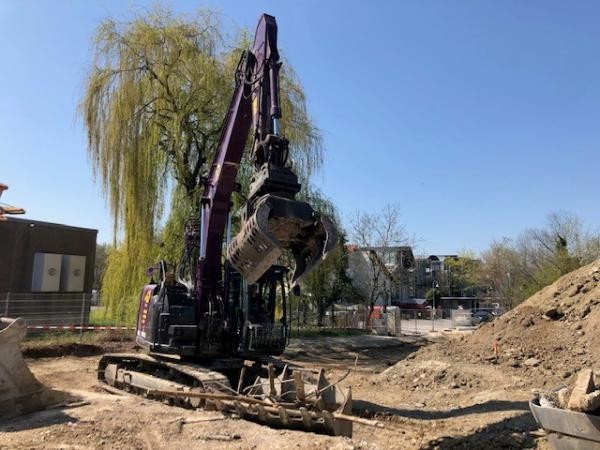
509 291
434 286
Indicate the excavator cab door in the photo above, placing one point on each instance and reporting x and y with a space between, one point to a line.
265 328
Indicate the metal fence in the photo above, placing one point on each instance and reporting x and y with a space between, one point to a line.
57 311
78 311
51 309
391 321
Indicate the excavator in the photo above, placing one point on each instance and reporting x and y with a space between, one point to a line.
213 326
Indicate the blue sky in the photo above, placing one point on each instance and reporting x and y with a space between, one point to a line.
476 117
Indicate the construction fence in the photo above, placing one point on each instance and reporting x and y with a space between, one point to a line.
385 321
84 312
49 311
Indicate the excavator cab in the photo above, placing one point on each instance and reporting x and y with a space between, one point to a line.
167 314
254 324
265 328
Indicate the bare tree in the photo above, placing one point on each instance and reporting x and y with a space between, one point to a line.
516 269
377 235
501 273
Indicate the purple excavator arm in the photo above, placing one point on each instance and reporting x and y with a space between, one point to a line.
272 220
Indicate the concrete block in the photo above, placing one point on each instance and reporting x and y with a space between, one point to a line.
584 397
585 381
585 403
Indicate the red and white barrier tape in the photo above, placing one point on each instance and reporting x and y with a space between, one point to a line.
73 327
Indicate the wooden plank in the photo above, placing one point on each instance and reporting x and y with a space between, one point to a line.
299 383
271 371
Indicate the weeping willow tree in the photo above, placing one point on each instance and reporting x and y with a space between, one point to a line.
155 98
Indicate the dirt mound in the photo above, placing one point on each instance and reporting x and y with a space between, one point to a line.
423 374
52 350
57 350
554 332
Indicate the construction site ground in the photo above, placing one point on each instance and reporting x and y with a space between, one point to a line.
430 399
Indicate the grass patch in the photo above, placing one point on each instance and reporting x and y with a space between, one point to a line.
98 318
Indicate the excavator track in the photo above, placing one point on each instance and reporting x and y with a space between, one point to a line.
270 393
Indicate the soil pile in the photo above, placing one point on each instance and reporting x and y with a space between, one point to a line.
555 328
419 374
553 334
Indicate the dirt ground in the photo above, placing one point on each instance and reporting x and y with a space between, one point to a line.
426 400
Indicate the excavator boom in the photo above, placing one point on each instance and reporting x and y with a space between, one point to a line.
272 219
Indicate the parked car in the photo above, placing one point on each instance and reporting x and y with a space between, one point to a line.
483 315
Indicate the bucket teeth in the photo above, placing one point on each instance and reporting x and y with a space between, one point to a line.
298 399
280 223
304 401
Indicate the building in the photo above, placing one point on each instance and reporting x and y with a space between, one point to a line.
455 289
381 273
46 270
430 268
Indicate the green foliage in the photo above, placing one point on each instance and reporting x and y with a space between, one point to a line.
516 269
429 295
463 273
100 265
124 278
153 106
329 281
171 235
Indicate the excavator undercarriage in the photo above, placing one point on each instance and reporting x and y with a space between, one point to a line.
269 393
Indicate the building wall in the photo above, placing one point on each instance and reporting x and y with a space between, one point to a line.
393 281
20 239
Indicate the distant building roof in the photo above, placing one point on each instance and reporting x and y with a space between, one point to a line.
434 257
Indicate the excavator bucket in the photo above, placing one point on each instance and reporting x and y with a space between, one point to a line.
280 223
20 392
